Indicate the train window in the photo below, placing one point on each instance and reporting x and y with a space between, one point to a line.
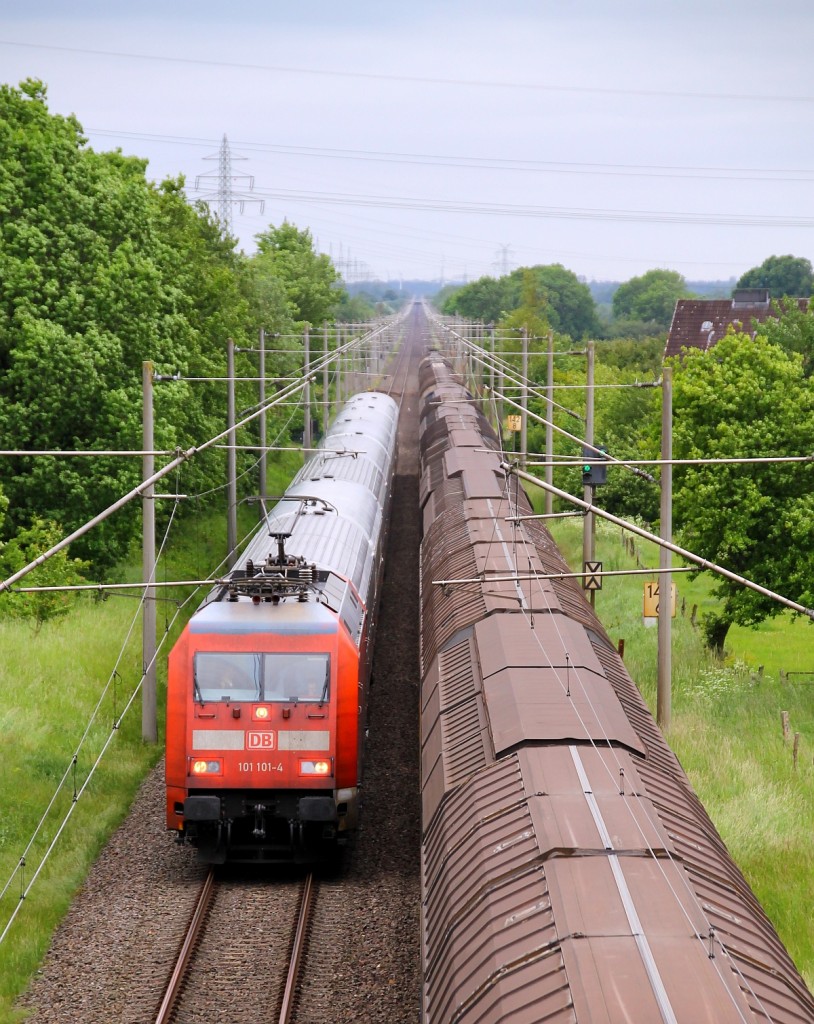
235 676
227 676
296 677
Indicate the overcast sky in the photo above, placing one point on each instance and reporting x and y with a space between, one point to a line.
449 139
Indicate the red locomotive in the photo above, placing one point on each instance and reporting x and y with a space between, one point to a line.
267 685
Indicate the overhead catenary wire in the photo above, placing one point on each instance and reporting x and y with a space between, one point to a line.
505 353
480 353
690 556
91 452
181 457
101 588
604 457
125 499
144 587
520 577
283 429
484 358
593 387
567 461
249 380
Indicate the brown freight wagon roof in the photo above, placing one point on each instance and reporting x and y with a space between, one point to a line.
455 738
469 540
569 871
587 899
481 472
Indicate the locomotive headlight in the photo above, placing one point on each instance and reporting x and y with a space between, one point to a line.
201 767
261 713
315 767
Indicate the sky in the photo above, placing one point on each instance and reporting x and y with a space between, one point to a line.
449 140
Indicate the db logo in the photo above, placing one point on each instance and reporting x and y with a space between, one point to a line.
260 740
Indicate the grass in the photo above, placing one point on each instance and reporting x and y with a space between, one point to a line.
781 644
726 731
50 683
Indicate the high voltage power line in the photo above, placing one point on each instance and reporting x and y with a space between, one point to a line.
480 83
490 163
544 212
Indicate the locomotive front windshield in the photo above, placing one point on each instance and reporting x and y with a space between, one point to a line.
235 676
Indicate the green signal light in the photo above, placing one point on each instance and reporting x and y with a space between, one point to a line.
586 469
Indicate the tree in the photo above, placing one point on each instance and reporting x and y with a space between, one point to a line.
60 570
570 306
746 398
310 281
793 331
486 299
783 275
532 311
628 424
354 308
641 356
651 297
100 271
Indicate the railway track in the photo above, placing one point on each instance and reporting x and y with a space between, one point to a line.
116 949
399 371
233 945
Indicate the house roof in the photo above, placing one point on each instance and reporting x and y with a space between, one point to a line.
699 323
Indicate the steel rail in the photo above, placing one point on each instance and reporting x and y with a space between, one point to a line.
295 963
193 933
401 367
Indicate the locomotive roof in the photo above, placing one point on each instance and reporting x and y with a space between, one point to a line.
243 616
337 540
